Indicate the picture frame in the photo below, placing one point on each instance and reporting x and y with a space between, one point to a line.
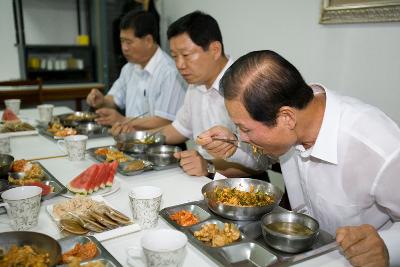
359 11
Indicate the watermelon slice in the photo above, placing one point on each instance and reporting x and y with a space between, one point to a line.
9 115
82 183
104 174
110 179
93 187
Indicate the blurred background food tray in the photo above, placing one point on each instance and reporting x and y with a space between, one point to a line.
249 250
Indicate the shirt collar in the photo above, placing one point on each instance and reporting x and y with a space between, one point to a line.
326 145
215 84
153 62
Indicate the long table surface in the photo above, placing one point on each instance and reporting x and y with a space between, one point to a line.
177 188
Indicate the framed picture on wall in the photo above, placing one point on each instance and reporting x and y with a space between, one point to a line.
359 11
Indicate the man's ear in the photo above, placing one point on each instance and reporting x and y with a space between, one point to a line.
287 117
149 39
215 48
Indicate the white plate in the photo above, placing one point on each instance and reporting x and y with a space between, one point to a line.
120 231
20 133
101 192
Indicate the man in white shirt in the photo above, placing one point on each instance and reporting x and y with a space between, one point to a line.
197 48
148 84
340 157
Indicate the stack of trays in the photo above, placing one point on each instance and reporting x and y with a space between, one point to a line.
249 250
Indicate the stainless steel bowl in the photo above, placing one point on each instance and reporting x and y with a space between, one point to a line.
162 155
5 164
133 142
91 128
237 212
41 242
293 242
76 118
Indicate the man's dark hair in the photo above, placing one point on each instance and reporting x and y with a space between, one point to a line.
201 28
264 82
142 22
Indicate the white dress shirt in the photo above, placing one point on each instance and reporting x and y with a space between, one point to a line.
204 108
158 88
351 176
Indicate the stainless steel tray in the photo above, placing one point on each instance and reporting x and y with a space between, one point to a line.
67 243
49 179
148 164
97 134
249 250
120 169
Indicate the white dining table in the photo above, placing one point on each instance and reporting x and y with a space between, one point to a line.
177 187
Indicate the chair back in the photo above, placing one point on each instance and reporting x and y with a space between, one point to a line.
29 91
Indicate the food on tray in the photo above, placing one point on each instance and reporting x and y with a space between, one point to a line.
94 178
46 189
16 126
290 228
25 256
213 236
80 252
58 130
65 132
81 214
78 204
55 127
111 154
237 197
184 218
135 165
30 172
73 226
9 115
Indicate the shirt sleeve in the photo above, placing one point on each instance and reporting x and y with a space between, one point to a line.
171 96
118 89
385 189
391 237
182 122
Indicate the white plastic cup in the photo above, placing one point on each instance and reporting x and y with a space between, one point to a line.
45 112
145 204
74 146
13 104
23 205
161 247
5 147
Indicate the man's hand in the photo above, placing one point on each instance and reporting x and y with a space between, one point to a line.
363 246
108 116
192 162
122 127
95 98
218 149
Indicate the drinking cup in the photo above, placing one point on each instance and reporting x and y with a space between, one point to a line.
13 104
162 247
74 146
45 112
5 147
145 204
23 205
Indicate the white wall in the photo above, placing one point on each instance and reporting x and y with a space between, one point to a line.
9 66
361 60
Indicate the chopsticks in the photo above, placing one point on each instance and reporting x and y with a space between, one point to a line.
230 141
43 158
